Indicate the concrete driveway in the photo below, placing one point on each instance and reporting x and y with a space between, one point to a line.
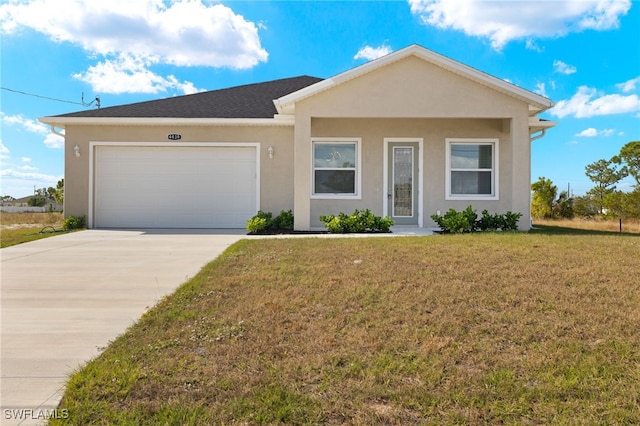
64 298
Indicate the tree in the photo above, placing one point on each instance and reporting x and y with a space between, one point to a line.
563 206
37 201
630 156
544 196
606 175
57 193
585 206
623 204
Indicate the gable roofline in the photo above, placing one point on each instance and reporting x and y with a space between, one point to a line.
537 103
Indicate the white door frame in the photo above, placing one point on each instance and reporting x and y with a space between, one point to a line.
92 159
385 174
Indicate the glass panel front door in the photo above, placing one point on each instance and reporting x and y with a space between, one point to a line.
402 182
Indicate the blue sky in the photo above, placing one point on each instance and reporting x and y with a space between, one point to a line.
583 54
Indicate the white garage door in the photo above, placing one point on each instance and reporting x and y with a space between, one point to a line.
174 187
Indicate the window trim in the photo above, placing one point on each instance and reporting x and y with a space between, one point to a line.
358 169
495 175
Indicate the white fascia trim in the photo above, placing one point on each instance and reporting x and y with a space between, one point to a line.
92 158
536 102
535 122
162 121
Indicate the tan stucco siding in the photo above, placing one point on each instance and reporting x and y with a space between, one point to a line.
413 98
434 133
276 174
411 88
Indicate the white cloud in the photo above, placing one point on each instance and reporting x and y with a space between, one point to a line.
593 132
588 133
562 68
50 140
3 149
588 102
369 53
508 20
26 159
541 89
629 86
127 74
181 33
26 123
532 45
32 176
54 141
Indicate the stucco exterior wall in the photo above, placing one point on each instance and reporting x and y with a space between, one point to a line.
408 98
276 174
433 132
413 98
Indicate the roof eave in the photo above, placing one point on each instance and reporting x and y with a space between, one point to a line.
61 122
538 125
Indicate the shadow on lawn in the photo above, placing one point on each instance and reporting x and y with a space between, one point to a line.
562 230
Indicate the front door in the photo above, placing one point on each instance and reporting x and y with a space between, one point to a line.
403 182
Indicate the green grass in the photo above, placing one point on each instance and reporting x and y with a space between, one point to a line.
12 237
457 329
18 228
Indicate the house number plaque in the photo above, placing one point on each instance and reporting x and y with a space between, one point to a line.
174 137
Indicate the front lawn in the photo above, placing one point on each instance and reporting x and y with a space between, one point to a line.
457 329
18 228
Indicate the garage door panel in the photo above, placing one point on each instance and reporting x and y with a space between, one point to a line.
175 187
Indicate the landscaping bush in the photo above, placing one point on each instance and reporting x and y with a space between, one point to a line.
72 222
284 220
264 222
457 222
359 221
259 223
467 221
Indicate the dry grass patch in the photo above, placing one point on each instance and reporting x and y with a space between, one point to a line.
601 225
471 329
16 228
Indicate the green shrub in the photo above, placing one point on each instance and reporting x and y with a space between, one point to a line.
72 222
457 222
359 221
490 222
260 222
511 221
265 222
467 221
284 220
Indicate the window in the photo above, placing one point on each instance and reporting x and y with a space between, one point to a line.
336 164
472 171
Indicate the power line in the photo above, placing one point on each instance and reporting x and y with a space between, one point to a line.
84 104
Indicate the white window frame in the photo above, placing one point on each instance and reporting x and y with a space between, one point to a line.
495 176
358 169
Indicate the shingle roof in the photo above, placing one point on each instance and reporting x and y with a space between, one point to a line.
248 101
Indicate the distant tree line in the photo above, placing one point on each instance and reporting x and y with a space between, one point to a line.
604 199
43 196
